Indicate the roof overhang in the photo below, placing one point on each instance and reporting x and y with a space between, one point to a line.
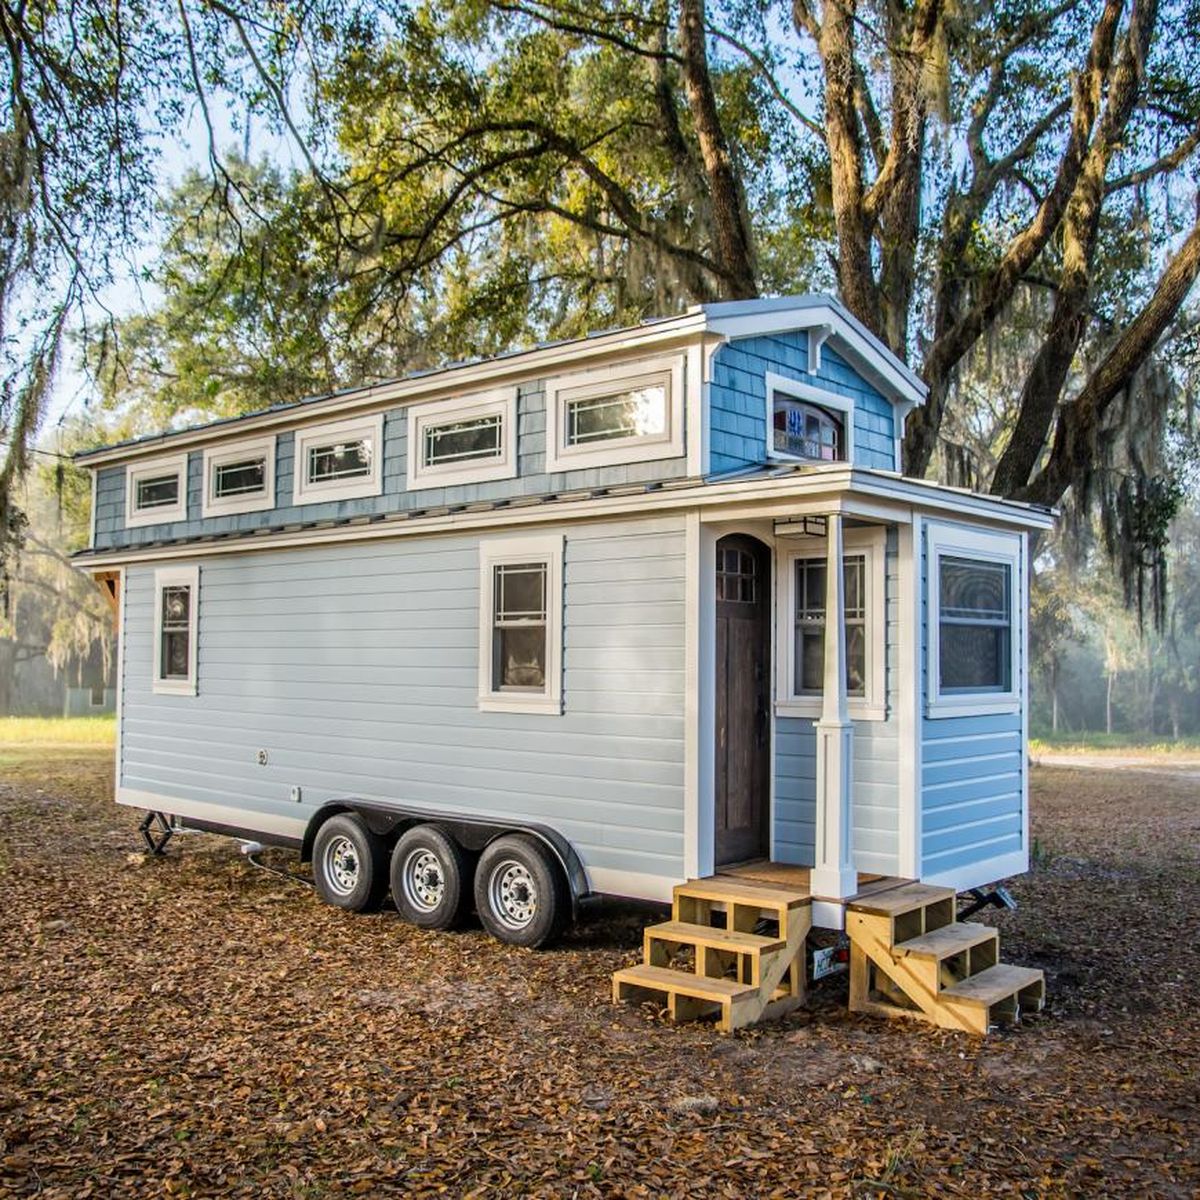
774 492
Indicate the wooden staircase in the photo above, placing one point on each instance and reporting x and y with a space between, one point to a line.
910 956
733 949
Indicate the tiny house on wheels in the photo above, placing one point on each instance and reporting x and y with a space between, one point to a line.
652 613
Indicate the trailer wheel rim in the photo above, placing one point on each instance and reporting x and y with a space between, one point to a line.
513 894
342 865
424 879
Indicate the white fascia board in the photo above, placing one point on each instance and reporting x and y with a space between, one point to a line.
888 372
855 491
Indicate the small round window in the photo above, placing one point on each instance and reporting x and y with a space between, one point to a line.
807 431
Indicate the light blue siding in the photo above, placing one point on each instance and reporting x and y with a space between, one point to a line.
368 688
737 401
531 480
972 784
875 764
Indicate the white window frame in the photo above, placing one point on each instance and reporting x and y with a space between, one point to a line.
213 505
166 577
944 540
807 394
501 402
175 464
599 382
495 552
871 543
304 492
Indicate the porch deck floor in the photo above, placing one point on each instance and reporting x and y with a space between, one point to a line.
788 875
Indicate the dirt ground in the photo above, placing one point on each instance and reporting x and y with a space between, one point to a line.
194 1027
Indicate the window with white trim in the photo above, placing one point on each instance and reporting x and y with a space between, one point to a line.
803 575
156 491
239 478
806 423
176 604
340 461
630 413
974 583
464 440
520 634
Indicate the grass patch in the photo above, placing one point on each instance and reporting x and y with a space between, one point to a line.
24 733
1116 743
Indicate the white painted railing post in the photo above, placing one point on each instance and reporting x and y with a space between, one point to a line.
834 876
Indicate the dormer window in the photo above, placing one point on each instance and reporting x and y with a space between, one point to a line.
805 431
807 424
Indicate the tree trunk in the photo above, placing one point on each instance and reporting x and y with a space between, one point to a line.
731 226
1054 699
1108 699
1047 376
856 279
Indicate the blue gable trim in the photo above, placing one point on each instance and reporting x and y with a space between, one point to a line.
737 401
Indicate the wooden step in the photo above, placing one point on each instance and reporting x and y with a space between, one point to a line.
998 983
898 901
663 979
684 933
736 891
691 996
947 941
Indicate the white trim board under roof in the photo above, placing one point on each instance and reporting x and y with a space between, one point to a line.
781 494
733 319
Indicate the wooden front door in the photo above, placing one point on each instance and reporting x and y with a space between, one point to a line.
743 681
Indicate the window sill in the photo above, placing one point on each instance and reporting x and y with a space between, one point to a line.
810 710
174 687
972 706
551 705
231 508
425 478
320 493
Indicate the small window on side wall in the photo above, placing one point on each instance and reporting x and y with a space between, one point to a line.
176 623
340 461
156 491
612 415
464 440
239 478
520 634
975 632
807 424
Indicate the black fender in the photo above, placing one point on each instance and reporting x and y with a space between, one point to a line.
471 832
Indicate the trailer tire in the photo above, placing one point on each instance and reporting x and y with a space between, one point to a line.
520 893
430 878
350 864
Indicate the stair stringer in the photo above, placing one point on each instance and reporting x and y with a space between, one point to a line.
871 938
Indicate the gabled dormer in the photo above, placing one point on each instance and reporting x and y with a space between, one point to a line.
800 380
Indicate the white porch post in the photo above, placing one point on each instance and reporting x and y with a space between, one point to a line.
834 876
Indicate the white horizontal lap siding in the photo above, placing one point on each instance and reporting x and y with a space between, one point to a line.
876 798
356 669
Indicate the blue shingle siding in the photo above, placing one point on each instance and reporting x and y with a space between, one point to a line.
737 400
875 765
531 480
372 691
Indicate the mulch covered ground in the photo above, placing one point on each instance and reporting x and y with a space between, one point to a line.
193 1026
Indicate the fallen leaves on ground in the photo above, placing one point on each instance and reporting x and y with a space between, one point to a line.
190 1026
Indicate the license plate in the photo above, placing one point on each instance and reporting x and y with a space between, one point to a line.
828 961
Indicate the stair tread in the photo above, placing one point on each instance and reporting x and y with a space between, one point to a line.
742 892
901 900
722 939
663 979
995 984
948 940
